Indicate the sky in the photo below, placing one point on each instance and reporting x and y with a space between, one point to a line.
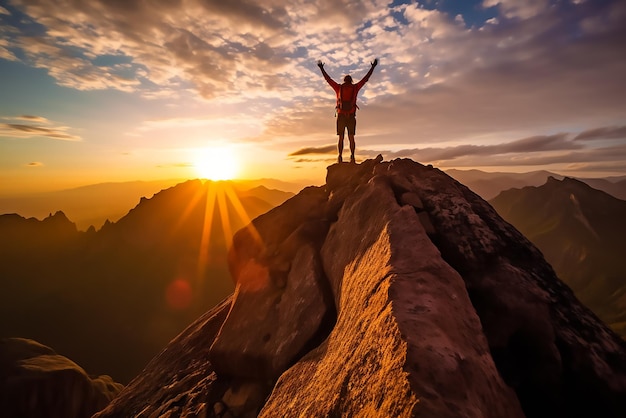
115 90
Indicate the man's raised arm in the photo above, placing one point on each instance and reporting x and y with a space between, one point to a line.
369 73
329 80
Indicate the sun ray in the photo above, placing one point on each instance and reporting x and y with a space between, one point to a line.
241 211
190 206
204 251
226 227
221 196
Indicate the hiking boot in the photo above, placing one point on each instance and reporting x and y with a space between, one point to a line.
352 159
339 159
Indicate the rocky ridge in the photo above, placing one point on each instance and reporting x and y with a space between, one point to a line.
393 290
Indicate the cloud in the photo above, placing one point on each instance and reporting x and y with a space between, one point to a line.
32 118
535 144
35 126
35 164
210 44
562 148
537 64
328 149
523 9
246 49
5 53
608 132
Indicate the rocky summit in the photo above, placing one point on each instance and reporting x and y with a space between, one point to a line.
391 291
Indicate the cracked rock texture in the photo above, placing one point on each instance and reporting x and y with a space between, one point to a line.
391 291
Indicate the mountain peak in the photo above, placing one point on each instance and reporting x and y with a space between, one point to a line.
393 290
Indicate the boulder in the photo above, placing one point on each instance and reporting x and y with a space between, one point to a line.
268 326
37 382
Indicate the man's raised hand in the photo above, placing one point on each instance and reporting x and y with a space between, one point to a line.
375 62
320 64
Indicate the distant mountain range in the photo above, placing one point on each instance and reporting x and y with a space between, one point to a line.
489 184
110 299
582 233
93 205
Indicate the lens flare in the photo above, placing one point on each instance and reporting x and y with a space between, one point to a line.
178 294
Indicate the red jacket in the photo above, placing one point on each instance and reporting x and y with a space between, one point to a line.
337 87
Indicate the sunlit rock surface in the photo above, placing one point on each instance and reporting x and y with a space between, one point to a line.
393 290
35 381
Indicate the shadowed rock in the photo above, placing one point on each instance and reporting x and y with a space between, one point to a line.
268 326
37 382
426 303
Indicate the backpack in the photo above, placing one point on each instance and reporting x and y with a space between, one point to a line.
346 101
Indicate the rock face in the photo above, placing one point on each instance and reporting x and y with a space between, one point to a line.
37 382
392 291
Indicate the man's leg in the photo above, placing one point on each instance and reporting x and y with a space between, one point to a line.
352 147
351 125
341 129
340 147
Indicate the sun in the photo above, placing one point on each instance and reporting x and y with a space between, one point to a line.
216 163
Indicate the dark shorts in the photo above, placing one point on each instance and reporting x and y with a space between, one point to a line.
344 121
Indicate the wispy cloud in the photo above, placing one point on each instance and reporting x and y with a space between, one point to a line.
29 126
609 132
518 9
562 148
35 164
315 150
533 144
32 118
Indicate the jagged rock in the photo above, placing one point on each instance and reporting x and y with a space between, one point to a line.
436 307
37 382
269 325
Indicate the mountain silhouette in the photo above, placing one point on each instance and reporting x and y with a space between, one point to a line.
93 205
489 184
391 291
110 299
581 231
86 205
616 188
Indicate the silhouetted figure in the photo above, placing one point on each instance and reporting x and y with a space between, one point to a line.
346 106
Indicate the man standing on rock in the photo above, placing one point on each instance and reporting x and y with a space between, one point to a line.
346 106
